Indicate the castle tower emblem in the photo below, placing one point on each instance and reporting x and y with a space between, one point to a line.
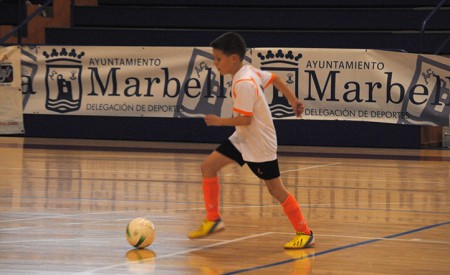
63 80
285 64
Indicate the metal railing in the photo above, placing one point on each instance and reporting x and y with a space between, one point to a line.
438 51
425 22
24 22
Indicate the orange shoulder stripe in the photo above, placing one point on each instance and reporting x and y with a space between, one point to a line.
246 79
244 113
270 81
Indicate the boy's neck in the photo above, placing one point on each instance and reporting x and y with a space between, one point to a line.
238 67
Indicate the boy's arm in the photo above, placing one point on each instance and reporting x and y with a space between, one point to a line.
213 120
296 104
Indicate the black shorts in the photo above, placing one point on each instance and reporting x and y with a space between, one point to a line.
264 170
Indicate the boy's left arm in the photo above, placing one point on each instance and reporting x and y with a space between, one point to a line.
213 120
296 104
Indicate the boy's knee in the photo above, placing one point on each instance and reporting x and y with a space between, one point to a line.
203 167
277 189
207 169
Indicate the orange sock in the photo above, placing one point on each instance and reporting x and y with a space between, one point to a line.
211 194
294 214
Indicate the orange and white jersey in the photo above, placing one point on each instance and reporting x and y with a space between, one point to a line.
257 142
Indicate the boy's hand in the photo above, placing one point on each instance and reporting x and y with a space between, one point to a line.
298 108
212 120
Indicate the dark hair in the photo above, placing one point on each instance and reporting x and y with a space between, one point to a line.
230 43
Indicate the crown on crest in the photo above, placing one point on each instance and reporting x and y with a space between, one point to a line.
279 55
63 54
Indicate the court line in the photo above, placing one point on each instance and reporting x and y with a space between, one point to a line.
294 170
64 216
351 155
91 239
221 175
184 252
337 249
311 167
201 208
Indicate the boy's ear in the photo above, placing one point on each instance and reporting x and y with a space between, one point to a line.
236 57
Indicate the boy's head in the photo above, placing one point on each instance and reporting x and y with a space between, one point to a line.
230 43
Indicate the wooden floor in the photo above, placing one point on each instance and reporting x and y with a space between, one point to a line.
64 206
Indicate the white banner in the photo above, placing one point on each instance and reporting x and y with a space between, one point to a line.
361 85
123 81
334 84
11 116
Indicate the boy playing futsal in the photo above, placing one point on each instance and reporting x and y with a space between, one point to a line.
253 143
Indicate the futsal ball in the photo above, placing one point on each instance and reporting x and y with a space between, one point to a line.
140 232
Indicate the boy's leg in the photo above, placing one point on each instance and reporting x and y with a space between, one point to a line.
289 203
210 185
213 163
304 237
211 192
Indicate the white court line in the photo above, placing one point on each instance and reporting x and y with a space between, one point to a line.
311 167
14 229
294 170
151 172
259 235
184 251
62 216
232 174
148 213
88 240
102 171
63 241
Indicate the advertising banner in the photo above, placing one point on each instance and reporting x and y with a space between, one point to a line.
361 85
334 84
11 116
123 81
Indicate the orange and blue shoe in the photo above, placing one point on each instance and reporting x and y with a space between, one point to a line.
207 228
301 240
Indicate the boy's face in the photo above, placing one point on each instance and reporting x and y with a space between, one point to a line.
226 64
